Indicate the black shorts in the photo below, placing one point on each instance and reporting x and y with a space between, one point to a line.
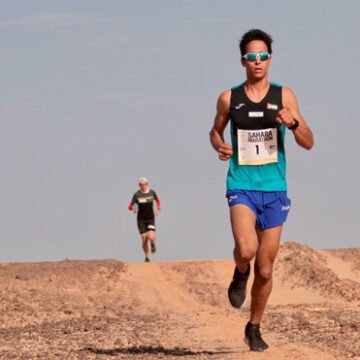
145 225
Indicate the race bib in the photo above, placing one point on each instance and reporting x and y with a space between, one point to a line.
257 147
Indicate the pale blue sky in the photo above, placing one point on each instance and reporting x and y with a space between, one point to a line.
95 94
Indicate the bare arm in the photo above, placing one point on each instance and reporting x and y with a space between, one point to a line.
303 135
217 132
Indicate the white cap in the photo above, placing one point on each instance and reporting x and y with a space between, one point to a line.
143 180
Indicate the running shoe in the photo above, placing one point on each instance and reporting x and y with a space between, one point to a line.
153 248
237 288
147 259
253 338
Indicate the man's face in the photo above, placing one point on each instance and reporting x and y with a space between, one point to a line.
257 69
143 186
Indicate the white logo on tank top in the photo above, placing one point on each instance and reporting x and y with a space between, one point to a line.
237 107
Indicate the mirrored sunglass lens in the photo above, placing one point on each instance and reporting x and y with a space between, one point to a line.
251 56
264 56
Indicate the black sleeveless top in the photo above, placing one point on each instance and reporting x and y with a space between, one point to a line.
243 110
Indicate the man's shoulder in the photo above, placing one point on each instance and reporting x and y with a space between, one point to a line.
225 94
287 90
287 94
224 100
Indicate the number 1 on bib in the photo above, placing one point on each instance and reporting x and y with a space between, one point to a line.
257 147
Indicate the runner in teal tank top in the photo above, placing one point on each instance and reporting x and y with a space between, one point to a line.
259 113
257 119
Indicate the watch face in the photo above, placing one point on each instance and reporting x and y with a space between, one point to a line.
296 124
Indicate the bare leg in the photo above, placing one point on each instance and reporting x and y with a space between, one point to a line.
246 243
245 237
144 238
151 236
269 241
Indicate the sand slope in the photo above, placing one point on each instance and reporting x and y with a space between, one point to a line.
108 309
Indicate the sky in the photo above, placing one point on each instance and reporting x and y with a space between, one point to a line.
96 94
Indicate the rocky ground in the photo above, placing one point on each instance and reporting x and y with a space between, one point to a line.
108 309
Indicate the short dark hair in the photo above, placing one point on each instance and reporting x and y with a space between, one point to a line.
255 34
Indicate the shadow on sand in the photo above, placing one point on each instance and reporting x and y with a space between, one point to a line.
153 350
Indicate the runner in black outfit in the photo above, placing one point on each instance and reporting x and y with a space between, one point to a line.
142 203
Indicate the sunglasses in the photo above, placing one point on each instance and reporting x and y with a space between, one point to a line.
253 56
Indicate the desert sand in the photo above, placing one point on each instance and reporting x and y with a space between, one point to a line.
108 309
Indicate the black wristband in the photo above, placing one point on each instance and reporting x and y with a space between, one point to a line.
295 126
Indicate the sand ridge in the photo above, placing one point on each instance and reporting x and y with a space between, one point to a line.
108 309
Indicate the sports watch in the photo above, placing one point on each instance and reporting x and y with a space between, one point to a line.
295 126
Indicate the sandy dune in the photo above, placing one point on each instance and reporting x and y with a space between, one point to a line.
108 309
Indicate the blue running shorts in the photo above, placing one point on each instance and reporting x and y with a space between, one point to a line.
270 208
